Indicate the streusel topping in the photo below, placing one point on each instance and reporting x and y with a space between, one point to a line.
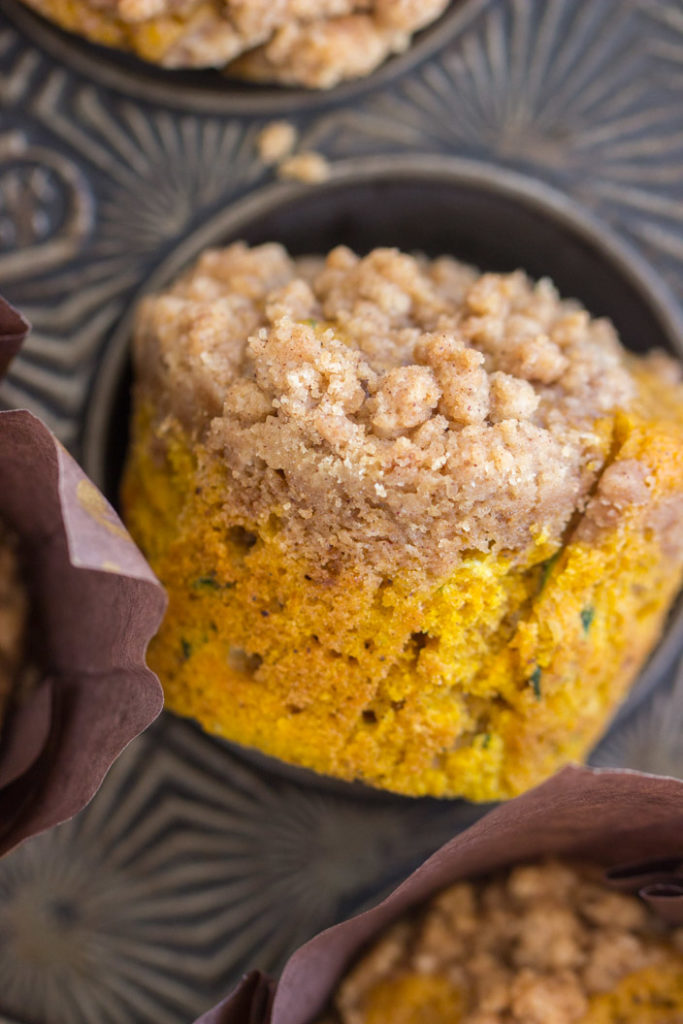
529 947
389 407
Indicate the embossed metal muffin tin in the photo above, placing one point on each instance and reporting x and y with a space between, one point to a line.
193 863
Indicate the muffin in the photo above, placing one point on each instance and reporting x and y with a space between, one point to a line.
545 943
419 526
313 43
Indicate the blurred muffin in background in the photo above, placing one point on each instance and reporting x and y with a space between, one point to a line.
312 43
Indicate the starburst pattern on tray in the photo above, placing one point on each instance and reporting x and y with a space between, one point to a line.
653 207
540 83
569 92
190 866
118 182
169 168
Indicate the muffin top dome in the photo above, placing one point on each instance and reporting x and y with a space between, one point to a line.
399 405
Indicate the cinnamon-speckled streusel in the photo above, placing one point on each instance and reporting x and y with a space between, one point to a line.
545 943
13 617
409 410
419 525
314 43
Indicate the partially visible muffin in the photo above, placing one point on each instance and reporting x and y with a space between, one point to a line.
313 43
14 613
419 526
545 943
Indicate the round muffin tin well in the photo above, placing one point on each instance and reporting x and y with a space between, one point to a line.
494 219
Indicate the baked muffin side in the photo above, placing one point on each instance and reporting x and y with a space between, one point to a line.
419 526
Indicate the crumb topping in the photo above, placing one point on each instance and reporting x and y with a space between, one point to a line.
308 166
533 946
390 405
276 141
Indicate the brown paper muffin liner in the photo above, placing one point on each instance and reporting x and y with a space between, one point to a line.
627 821
95 603
13 330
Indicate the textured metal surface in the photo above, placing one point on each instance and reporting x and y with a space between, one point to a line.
148 905
192 863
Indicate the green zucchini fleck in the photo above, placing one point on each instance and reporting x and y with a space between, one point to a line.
535 680
587 616
548 567
209 582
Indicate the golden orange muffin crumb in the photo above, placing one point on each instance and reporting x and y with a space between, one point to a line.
543 944
419 526
14 608
314 43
